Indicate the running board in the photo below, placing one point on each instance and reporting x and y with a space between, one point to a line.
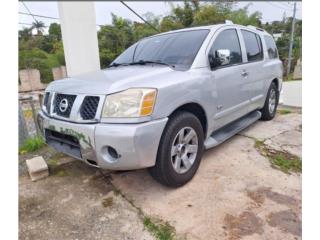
231 129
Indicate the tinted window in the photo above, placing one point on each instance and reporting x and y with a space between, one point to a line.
271 46
253 46
228 39
177 49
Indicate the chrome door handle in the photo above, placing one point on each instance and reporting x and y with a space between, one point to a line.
244 73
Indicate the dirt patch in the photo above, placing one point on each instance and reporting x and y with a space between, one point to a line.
260 194
287 221
247 223
75 205
282 160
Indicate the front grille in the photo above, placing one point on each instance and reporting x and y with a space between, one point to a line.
89 107
66 110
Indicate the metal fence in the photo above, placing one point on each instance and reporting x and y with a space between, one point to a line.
28 125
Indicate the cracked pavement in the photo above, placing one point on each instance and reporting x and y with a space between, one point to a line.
216 203
235 194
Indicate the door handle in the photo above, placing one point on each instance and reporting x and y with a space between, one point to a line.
244 73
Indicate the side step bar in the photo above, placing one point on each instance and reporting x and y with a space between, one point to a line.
231 129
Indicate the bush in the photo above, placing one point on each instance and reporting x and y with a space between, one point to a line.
44 62
32 144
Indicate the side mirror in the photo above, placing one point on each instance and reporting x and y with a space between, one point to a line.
220 58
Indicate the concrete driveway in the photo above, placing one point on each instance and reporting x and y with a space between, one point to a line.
236 193
244 189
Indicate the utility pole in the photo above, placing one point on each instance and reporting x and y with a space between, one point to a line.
291 39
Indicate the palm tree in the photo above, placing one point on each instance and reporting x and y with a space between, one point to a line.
39 26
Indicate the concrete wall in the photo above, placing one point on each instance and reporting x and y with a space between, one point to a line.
59 72
30 80
297 73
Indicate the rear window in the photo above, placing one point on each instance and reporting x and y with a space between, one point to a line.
253 45
271 47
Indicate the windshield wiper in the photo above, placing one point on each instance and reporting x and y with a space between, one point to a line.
118 64
143 62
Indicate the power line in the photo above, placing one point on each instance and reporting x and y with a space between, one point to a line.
286 8
41 16
25 5
48 17
29 24
277 6
21 23
99 25
283 6
153 27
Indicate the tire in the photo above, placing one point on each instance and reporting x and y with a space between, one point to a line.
268 112
169 170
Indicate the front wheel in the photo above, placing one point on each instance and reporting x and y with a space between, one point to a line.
180 150
270 106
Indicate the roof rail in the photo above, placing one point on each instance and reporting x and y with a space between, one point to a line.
228 21
255 28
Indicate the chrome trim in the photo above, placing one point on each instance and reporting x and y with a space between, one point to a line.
75 111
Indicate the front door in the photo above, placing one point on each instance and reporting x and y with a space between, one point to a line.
230 80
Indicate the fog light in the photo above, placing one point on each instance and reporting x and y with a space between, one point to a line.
113 153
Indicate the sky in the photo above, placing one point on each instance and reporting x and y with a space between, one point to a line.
270 10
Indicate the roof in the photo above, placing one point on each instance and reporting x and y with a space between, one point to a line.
216 26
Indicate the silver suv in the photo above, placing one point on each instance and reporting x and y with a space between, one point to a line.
166 99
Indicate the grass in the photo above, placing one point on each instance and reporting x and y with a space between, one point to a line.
32 144
282 160
290 78
107 202
162 231
159 229
284 111
285 163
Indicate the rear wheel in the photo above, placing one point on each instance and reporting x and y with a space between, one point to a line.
180 150
270 106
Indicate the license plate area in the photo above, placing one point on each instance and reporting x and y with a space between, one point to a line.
64 143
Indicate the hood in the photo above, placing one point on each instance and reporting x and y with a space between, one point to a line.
115 79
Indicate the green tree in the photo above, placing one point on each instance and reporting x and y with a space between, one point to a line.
55 31
169 23
25 33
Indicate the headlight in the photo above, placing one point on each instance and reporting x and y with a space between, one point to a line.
134 102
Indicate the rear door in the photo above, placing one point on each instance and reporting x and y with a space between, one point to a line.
254 62
230 83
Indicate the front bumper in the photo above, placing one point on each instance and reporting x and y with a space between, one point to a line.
136 145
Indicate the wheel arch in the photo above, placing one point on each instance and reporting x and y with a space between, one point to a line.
197 110
277 82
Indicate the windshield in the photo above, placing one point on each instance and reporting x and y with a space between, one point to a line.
177 49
